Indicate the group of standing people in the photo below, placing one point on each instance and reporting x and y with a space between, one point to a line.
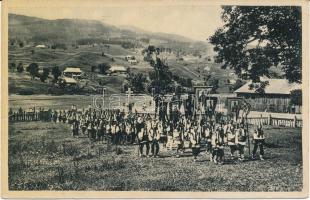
148 131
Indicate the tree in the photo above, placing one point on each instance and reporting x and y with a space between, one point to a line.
59 46
296 97
93 68
45 74
12 42
214 83
33 70
237 85
20 68
161 77
56 72
12 66
137 82
21 44
103 67
253 39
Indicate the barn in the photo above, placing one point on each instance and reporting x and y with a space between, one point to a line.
276 96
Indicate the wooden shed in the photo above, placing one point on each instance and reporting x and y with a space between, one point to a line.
276 96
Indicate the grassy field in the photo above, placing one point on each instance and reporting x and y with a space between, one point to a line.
44 156
64 102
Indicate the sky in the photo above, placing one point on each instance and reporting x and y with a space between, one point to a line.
197 22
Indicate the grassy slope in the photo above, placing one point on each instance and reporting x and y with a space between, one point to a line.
85 57
38 161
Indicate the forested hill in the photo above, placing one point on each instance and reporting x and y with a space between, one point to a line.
72 31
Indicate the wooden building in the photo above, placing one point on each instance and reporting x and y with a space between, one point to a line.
276 97
72 72
117 69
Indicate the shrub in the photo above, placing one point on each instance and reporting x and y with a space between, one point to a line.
26 91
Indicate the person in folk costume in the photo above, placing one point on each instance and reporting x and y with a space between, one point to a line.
60 116
218 145
187 126
259 140
175 116
114 131
182 108
243 112
208 136
169 111
230 133
160 128
89 127
92 131
122 132
142 137
182 125
240 141
161 112
154 137
119 132
128 132
64 117
101 130
55 114
71 117
108 132
75 124
177 138
72 129
84 125
194 141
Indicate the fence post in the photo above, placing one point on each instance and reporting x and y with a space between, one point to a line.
295 121
269 119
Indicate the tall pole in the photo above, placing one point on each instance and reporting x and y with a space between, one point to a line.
247 130
103 89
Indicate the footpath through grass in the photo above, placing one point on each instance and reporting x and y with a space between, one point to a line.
44 156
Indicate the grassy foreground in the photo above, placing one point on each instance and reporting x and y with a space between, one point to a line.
44 156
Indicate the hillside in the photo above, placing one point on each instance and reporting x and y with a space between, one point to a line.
70 31
97 38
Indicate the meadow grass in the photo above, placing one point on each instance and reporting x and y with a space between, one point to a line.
44 156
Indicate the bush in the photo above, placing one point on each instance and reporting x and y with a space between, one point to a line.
26 91
296 97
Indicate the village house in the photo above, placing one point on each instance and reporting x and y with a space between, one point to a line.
72 72
117 69
41 46
69 81
276 96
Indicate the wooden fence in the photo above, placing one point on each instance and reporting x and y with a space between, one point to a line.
275 121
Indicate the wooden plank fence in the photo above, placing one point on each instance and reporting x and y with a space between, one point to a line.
275 121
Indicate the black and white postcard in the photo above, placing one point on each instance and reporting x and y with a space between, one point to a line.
154 99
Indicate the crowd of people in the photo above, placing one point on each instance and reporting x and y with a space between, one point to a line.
198 132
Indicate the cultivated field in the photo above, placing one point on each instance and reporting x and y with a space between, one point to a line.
44 156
